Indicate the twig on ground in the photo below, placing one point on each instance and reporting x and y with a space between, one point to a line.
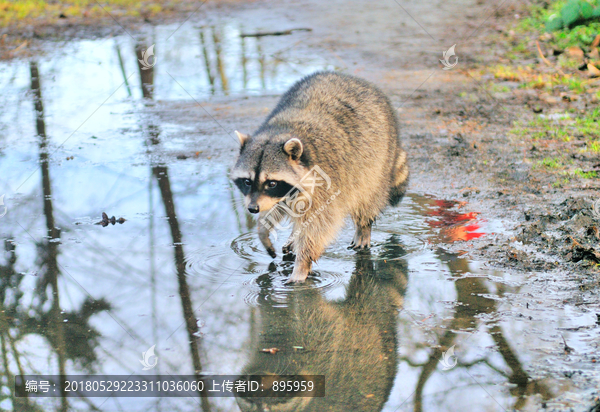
537 43
274 33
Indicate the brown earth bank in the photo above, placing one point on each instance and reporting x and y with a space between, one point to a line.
30 36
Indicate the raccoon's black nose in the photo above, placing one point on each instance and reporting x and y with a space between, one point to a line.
253 208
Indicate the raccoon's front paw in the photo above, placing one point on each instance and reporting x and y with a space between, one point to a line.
296 279
271 252
299 274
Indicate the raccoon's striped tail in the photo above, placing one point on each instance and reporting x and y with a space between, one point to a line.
399 178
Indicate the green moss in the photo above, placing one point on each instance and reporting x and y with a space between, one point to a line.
550 163
585 175
580 35
12 12
561 182
497 88
594 147
566 129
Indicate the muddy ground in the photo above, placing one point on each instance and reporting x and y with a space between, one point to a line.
457 135
460 148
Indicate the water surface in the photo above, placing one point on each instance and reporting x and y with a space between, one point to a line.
186 273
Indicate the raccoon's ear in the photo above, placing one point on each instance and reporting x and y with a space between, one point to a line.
293 148
243 137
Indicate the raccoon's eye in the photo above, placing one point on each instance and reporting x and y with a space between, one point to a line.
271 184
248 182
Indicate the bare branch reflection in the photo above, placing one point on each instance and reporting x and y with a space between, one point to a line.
161 174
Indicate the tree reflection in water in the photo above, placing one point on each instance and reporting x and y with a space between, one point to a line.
161 174
69 334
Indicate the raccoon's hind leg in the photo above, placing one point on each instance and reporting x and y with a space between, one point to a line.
399 179
362 237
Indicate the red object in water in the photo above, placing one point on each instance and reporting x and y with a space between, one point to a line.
454 226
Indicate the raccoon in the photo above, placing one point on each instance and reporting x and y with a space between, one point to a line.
345 129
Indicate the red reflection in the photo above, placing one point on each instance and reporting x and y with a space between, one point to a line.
454 226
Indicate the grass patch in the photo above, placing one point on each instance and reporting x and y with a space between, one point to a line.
550 163
498 88
528 79
538 15
585 175
557 165
588 125
594 147
582 127
550 81
507 73
561 182
15 11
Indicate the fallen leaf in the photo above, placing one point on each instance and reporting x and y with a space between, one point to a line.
574 52
105 220
20 47
596 41
272 351
545 97
594 71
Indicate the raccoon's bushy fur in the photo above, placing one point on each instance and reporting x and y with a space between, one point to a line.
348 128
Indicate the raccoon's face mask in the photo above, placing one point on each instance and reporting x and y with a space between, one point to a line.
266 171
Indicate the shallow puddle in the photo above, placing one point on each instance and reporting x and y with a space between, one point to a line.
407 325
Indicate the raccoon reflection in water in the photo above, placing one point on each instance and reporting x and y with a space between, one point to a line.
330 134
352 342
